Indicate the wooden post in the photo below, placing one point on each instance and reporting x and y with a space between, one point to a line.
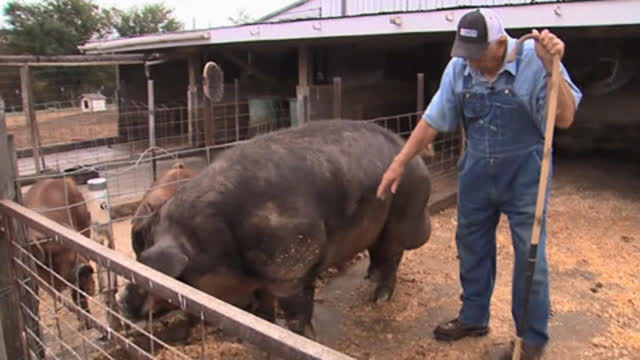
117 92
302 90
3 347
420 107
192 98
236 95
337 97
207 106
30 115
152 120
420 92
8 304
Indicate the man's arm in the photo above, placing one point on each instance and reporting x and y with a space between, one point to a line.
442 114
566 106
547 46
421 136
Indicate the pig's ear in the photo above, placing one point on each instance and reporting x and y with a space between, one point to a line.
142 229
165 257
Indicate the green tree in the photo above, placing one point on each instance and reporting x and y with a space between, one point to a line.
53 27
57 27
151 18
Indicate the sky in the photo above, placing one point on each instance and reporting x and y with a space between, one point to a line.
207 13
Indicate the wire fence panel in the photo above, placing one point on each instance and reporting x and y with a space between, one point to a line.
130 167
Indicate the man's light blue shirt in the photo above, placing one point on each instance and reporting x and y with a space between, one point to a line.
444 112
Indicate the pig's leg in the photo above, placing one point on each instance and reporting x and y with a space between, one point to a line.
298 309
265 305
384 257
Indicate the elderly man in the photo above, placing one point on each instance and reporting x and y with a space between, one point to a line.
501 106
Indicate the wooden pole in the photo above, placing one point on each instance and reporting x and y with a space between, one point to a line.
337 97
3 347
207 107
192 98
420 92
117 92
429 151
236 110
302 90
8 305
553 84
30 115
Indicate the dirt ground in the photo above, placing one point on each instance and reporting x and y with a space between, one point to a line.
593 247
63 126
594 229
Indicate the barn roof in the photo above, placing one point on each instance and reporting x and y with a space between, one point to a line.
542 13
307 9
283 10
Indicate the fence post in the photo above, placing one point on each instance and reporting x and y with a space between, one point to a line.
337 97
207 107
30 115
420 107
192 98
420 99
302 90
8 304
3 347
236 104
116 93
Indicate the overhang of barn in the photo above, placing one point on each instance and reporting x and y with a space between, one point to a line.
376 48
422 17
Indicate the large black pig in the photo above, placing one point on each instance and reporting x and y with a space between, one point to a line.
266 217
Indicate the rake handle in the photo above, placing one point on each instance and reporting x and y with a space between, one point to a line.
551 107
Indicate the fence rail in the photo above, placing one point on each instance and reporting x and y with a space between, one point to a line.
267 336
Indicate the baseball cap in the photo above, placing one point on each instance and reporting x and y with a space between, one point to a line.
476 29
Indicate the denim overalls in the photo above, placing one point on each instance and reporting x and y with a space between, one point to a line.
499 173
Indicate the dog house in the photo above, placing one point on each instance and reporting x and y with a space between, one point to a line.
93 102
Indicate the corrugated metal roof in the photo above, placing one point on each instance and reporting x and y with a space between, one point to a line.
524 16
283 10
309 9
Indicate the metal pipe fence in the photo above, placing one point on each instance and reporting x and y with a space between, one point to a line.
54 325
